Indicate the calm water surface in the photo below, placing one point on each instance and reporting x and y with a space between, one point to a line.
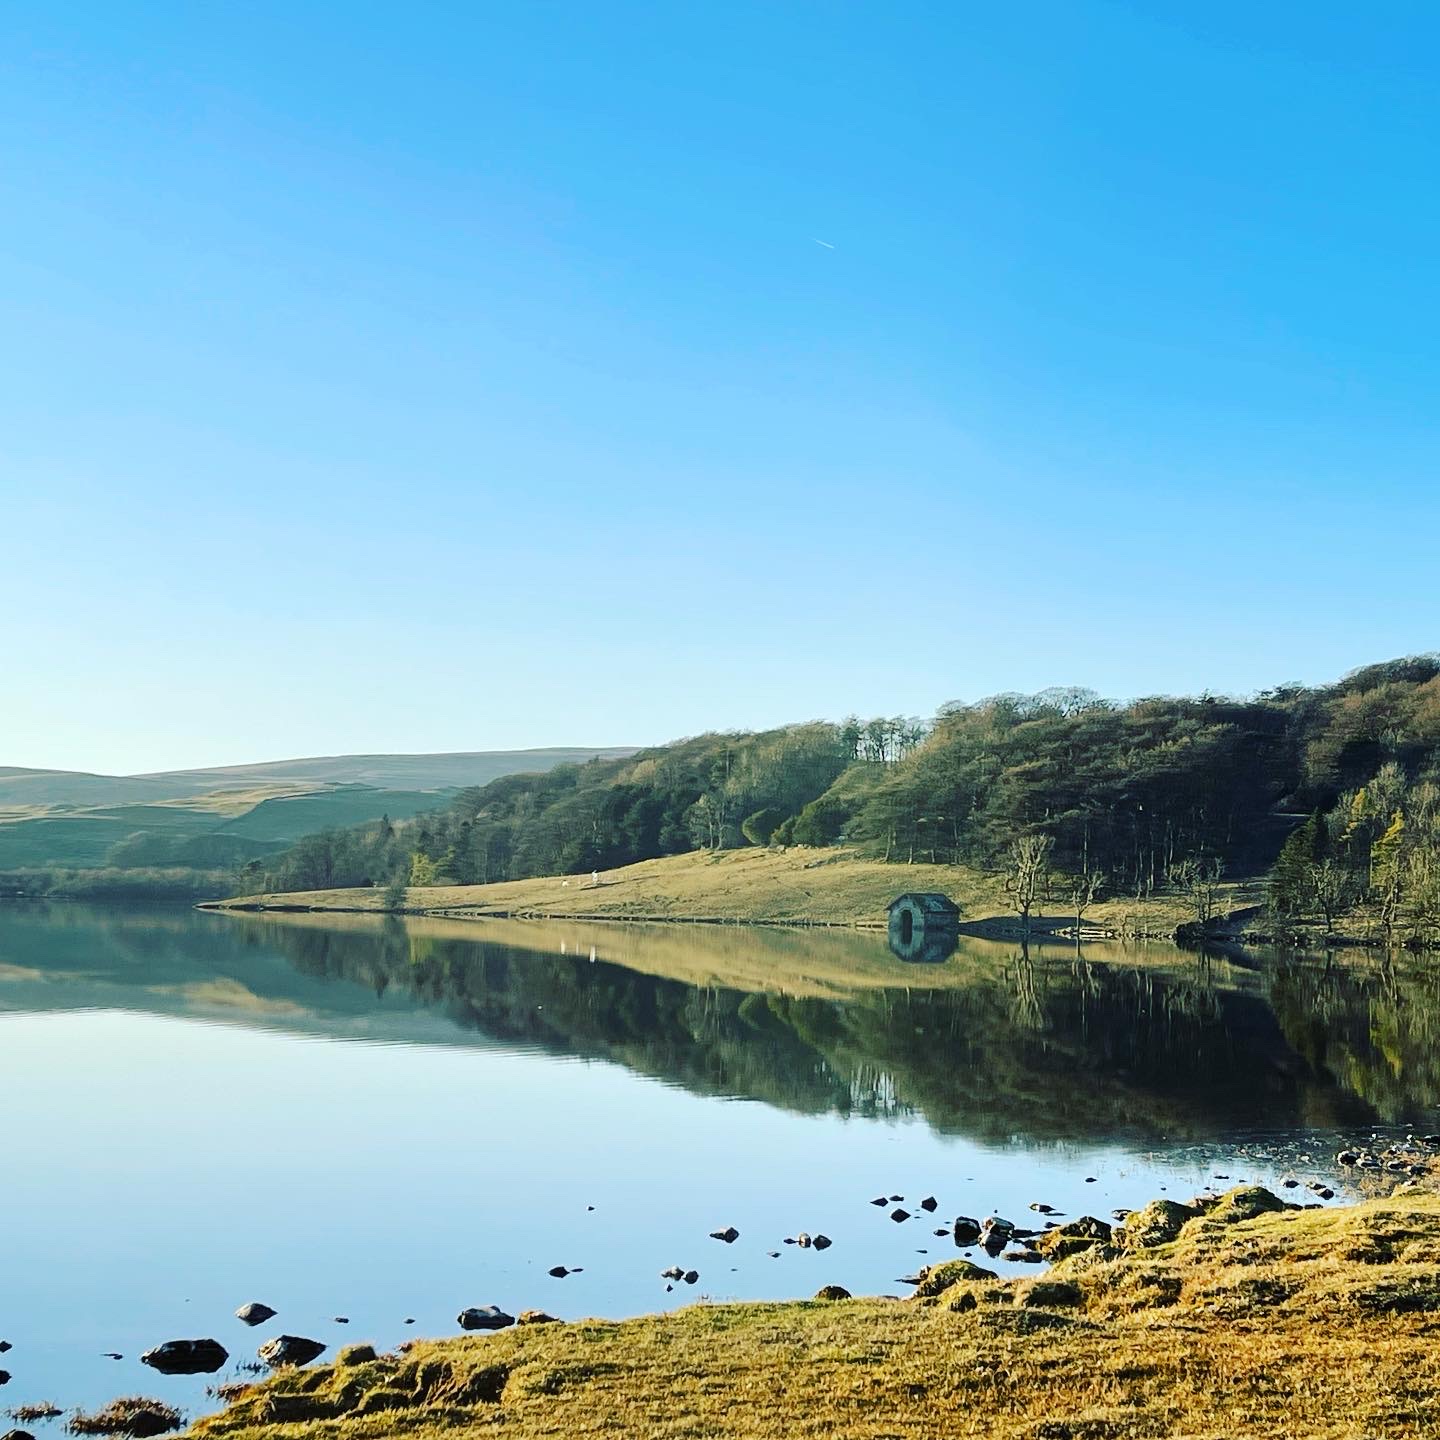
386 1122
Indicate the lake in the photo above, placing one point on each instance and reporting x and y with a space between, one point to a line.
387 1122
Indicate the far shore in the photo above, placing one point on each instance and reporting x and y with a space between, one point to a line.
793 887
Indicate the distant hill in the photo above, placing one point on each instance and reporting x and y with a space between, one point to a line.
204 817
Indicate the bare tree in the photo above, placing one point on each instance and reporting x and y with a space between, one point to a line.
1085 888
1332 888
1025 867
1199 879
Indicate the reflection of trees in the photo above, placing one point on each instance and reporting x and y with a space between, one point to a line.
1036 1043
1041 1046
1371 1026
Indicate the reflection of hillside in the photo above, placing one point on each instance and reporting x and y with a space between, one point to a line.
992 1043
1044 1046
1372 1025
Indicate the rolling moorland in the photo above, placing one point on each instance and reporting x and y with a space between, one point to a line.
186 833
1318 805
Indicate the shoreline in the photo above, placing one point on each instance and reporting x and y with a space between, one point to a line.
1237 1313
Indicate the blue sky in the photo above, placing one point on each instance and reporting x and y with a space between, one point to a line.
458 376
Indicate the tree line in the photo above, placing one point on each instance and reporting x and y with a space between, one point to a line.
1337 787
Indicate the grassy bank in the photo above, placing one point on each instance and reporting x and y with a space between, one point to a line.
795 886
1242 1320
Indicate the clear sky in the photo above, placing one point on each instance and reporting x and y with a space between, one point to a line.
458 376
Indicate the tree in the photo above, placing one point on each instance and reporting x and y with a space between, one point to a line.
1085 888
423 870
1387 873
1025 864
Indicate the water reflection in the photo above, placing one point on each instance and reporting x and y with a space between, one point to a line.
996 1042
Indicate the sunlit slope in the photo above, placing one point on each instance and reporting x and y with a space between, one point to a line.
795 886
72 819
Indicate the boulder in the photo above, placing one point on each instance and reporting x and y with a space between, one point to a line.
1157 1224
824 1242
484 1317
934 1280
1047 1294
729 1234
967 1231
290 1350
832 1292
1073 1237
186 1357
690 1276
356 1355
255 1313
1245 1202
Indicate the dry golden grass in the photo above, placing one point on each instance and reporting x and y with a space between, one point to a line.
795 886
1298 1323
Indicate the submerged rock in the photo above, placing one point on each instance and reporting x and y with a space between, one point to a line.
290 1350
484 1317
186 1357
255 1313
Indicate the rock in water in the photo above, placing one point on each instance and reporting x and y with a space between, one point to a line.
484 1317
186 1357
929 1203
290 1350
899 1216
691 1276
4 1346
822 1242
17 1435
967 1231
4 1377
729 1234
254 1313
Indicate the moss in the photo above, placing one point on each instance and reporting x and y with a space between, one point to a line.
936 1279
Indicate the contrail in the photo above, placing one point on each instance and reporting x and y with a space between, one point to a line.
825 243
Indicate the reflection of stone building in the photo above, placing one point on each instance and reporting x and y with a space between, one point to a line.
924 927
